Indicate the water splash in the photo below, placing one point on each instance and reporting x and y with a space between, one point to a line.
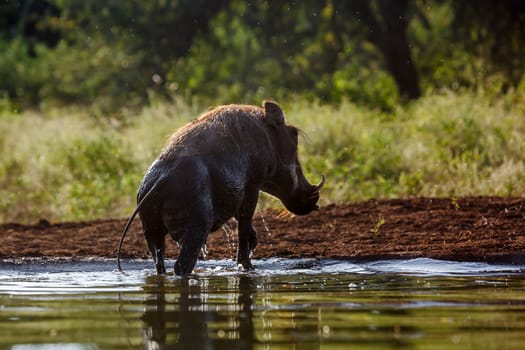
229 229
266 228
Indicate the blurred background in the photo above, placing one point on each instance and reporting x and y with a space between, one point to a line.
395 97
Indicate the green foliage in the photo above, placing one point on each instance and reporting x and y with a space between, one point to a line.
443 145
20 76
129 53
378 224
228 63
81 120
89 169
67 165
100 75
62 167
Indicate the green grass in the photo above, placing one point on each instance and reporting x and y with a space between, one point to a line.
442 145
66 164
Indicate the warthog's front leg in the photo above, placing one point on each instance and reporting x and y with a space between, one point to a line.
247 235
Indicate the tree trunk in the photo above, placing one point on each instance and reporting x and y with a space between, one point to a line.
388 33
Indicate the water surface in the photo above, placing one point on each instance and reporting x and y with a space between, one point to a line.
300 303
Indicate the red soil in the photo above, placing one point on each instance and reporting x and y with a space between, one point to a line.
490 229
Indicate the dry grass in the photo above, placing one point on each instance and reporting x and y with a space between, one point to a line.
65 164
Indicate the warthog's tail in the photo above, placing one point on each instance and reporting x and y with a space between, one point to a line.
130 220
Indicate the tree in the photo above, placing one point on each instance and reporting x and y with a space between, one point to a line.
382 22
387 30
32 20
495 31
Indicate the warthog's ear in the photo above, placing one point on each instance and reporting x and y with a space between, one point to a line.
274 113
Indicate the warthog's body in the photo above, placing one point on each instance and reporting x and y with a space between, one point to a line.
211 170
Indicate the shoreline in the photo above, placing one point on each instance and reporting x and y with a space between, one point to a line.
476 229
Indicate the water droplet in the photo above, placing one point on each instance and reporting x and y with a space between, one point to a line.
352 286
157 79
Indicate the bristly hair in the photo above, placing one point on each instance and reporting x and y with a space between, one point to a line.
228 119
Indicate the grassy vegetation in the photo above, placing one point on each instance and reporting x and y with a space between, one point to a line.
67 164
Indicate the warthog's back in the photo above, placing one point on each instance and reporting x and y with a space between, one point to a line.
228 128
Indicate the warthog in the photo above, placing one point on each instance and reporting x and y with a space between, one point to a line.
211 170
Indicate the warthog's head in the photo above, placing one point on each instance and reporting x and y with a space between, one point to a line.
287 181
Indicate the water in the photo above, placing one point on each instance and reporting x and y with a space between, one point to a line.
285 304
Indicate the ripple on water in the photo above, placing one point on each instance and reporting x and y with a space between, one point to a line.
287 303
101 276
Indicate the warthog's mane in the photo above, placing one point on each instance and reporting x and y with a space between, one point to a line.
232 124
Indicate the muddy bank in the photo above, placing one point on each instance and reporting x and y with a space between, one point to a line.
489 229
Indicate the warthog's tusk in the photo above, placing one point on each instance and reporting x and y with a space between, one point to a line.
320 184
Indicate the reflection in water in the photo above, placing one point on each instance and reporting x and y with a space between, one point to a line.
180 314
285 308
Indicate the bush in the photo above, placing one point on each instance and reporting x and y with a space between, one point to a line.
67 165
